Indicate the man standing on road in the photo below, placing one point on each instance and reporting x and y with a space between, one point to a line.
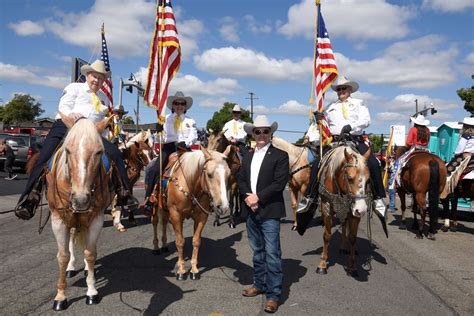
262 179
6 150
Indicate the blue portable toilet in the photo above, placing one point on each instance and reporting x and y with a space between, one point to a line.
433 143
448 137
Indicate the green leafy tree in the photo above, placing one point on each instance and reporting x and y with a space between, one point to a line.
219 118
128 120
21 108
377 141
467 95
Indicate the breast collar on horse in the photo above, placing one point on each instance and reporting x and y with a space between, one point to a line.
190 195
341 202
292 172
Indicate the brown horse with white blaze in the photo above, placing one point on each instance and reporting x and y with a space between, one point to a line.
78 193
197 186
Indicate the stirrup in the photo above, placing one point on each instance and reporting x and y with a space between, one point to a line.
303 206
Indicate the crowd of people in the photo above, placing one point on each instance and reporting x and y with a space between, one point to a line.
264 170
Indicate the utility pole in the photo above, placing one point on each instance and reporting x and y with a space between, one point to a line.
416 105
252 97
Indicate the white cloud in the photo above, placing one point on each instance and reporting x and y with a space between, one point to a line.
26 28
363 19
469 58
241 62
420 63
256 27
448 5
294 108
28 74
229 29
192 85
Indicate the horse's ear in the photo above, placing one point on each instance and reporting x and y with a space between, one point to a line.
69 122
100 126
227 151
367 154
207 155
137 144
347 155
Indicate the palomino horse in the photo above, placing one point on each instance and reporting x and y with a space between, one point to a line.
219 142
299 171
197 184
423 173
137 153
344 190
458 187
79 191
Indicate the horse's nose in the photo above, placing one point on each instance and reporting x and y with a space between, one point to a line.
80 202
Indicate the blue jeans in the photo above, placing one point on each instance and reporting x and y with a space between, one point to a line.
264 240
391 195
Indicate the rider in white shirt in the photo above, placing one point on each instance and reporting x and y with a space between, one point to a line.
348 115
234 130
466 142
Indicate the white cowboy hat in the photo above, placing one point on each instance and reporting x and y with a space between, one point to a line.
342 81
260 121
120 109
420 120
468 121
179 95
97 66
236 108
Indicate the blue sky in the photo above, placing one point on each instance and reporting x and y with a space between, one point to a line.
397 51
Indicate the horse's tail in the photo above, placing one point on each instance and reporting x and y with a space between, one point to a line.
433 194
80 237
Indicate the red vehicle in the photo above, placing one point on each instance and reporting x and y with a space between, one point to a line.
20 130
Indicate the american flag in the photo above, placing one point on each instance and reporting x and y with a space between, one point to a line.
107 85
325 70
165 58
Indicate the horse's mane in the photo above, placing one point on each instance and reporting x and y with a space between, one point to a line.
139 137
83 129
338 158
294 152
192 162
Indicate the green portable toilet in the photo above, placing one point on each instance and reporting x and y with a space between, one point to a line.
433 143
448 136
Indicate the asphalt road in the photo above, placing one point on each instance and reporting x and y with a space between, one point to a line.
398 276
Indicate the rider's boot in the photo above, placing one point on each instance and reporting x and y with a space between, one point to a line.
381 212
26 207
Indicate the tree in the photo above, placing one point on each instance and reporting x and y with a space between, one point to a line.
467 95
218 120
128 120
21 108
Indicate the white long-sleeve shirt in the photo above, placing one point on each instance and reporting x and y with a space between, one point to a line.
358 116
187 133
313 133
77 98
466 145
239 134
257 159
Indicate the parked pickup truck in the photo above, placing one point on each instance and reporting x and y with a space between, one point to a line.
23 145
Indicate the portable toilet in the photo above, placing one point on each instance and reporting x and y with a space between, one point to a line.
433 145
448 137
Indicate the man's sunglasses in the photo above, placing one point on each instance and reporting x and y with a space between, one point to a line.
179 103
341 89
261 131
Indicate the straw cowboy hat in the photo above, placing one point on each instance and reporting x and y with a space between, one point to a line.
97 66
120 109
179 96
342 81
420 120
468 121
236 108
260 121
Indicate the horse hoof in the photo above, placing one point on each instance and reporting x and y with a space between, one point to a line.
60 305
402 226
85 273
418 236
231 225
343 251
180 276
321 270
453 229
71 273
444 228
216 223
293 228
353 274
194 276
156 252
165 249
431 236
92 300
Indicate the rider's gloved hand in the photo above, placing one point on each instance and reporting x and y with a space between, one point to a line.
318 115
346 129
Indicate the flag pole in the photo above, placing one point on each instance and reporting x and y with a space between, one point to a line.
318 3
110 107
160 134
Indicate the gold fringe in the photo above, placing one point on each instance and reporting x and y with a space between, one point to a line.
453 179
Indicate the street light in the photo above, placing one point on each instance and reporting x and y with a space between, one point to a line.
132 82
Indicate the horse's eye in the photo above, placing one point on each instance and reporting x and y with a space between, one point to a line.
209 174
99 153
